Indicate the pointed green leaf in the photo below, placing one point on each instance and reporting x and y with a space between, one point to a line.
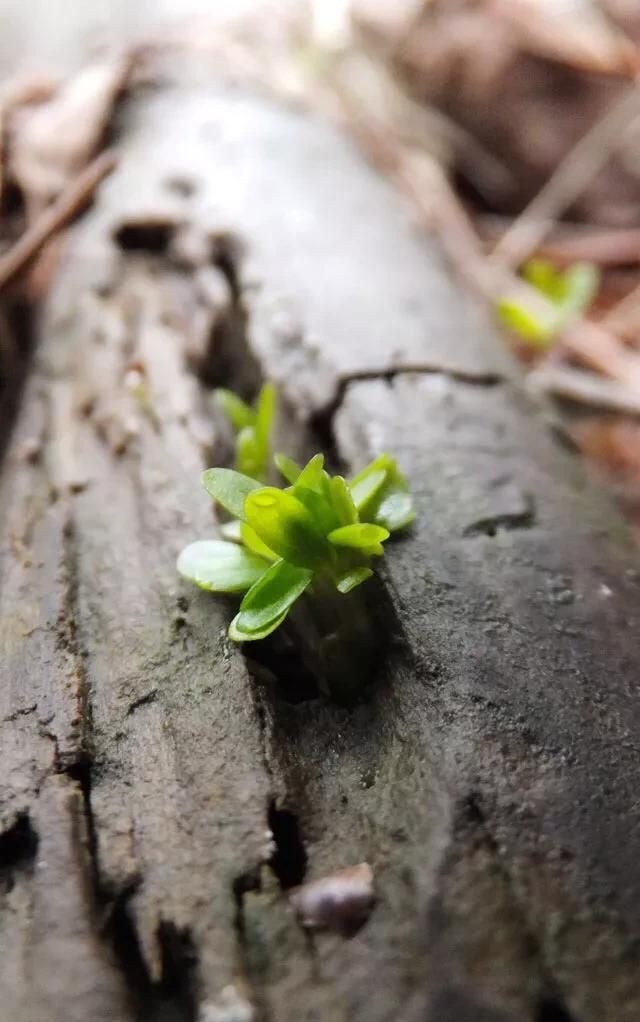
251 540
265 414
229 488
395 511
320 507
531 326
311 474
220 567
358 536
342 501
236 633
238 413
544 276
287 467
383 461
272 596
581 282
390 505
248 460
365 487
353 578
286 526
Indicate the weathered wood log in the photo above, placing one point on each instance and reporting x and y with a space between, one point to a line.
157 800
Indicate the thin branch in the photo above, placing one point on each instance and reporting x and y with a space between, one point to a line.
571 242
62 211
625 314
571 177
598 347
585 388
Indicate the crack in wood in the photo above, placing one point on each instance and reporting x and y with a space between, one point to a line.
18 848
172 997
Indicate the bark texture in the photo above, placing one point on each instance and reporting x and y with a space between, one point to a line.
156 799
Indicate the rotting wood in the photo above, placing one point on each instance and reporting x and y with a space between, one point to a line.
490 776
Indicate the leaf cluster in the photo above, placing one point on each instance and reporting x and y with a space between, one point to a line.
283 541
566 295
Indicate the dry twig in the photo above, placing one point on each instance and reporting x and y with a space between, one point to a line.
573 242
570 178
54 217
585 388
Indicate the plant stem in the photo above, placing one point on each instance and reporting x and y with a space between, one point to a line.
336 638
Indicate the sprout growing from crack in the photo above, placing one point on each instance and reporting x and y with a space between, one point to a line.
252 427
317 536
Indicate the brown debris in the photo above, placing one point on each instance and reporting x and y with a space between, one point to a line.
341 902
579 34
50 142
53 218
526 79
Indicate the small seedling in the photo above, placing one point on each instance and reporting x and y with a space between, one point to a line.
252 427
319 531
564 296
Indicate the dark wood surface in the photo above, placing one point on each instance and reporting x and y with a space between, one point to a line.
489 775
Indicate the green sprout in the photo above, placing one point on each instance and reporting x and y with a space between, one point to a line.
318 535
252 427
565 295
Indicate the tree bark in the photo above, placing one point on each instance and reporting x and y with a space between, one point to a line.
159 796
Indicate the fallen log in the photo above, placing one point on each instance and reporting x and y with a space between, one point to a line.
159 796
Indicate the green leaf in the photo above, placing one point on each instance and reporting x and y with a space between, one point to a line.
571 291
319 506
265 414
286 526
248 460
232 531
383 461
353 578
251 540
237 634
287 467
395 510
543 275
272 596
375 550
238 413
530 325
359 536
389 502
229 488
567 294
581 285
342 501
366 485
311 475
220 567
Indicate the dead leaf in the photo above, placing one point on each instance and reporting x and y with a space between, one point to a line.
48 144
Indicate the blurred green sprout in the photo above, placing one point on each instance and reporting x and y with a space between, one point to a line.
252 427
566 295
318 532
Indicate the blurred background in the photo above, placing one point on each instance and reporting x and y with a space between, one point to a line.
512 128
